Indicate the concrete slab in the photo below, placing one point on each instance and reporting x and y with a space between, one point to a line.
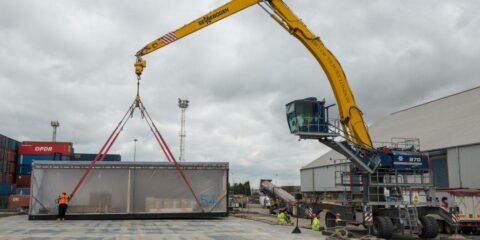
18 227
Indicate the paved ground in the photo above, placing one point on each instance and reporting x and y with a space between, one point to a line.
18 227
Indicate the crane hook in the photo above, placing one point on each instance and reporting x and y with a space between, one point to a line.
140 64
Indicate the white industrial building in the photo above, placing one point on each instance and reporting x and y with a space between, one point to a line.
448 129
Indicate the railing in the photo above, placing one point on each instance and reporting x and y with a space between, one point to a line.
398 143
385 186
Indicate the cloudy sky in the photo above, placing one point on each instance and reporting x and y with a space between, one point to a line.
72 61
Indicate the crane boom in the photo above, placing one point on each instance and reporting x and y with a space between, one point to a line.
350 115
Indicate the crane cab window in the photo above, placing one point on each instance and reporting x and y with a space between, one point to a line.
306 115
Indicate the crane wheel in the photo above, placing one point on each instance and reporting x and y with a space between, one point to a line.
429 227
382 227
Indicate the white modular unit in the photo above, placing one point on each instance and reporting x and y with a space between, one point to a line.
124 190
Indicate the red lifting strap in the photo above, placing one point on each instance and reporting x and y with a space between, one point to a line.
177 166
107 145
113 137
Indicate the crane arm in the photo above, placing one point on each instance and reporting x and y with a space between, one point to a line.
350 115
214 16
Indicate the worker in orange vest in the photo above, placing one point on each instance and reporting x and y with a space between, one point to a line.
62 206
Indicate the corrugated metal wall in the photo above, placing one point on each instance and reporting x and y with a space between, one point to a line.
464 166
318 179
306 180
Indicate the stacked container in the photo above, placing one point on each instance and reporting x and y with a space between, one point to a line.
91 157
41 151
35 151
8 159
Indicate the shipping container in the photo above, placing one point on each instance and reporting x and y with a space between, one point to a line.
3 202
126 190
91 157
24 169
11 155
45 148
10 178
22 191
8 143
28 159
23 181
18 201
6 189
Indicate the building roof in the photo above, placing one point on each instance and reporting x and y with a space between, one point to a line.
447 122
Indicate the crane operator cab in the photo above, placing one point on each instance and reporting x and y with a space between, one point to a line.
308 117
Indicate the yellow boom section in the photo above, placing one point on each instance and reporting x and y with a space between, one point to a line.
350 115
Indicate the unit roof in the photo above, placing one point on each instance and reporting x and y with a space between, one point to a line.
447 122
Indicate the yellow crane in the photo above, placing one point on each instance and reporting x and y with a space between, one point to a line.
350 115
375 168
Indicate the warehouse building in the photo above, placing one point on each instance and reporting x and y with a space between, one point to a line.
449 132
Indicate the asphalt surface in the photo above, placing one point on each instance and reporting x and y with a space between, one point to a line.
18 227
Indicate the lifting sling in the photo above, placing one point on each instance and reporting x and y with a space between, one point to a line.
156 133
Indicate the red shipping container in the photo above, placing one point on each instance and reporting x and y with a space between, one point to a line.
11 156
45 148
17 201
12 167
11 178
23 181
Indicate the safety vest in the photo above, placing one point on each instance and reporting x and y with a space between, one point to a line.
63 199
315 224
281 217
338 220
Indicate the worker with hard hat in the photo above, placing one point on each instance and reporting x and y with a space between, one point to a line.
338 219
315 222
62 205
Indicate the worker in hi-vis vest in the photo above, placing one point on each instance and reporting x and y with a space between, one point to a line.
315 222
338 219
62 205
281 218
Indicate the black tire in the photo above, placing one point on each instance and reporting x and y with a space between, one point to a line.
382 227
429 227
449 229
329 220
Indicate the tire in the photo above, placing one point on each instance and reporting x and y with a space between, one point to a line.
382 227
449 229
429 227
329 220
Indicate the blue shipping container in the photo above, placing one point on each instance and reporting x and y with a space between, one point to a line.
22 191
6 189
91 157
28 159
24 169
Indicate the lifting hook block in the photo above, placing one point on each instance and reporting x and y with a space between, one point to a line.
139 66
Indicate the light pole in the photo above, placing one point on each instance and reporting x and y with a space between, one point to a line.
183 105
55 125
134 149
